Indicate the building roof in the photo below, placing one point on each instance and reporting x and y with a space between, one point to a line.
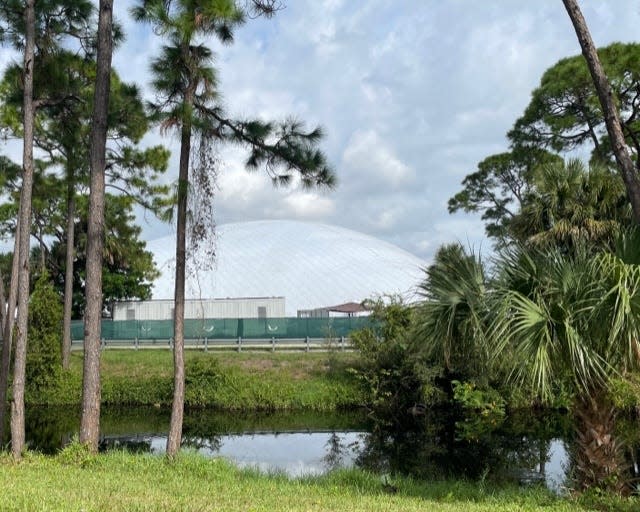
347 307
310 264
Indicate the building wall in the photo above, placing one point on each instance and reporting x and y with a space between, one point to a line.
252 307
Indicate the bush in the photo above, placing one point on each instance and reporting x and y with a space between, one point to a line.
203 376
392 377
44 335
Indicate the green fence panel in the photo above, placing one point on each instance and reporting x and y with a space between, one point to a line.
153 330
77 330
228 328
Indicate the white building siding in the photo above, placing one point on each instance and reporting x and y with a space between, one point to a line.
271 307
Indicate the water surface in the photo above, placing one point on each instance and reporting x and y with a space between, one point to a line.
525 448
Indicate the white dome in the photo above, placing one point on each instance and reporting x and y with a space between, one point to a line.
311 265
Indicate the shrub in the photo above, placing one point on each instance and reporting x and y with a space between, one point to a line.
44 335
202 378
392 377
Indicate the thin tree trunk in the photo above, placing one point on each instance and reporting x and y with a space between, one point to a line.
177 409
20 363
43 251
611 116
90 420
3 320
7 333
3 305
68 270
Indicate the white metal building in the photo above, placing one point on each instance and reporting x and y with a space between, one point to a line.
244 307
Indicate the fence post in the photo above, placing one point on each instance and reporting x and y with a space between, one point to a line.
171 342
273 343
342 343
307 342
239 343
135 343
206 344
103 343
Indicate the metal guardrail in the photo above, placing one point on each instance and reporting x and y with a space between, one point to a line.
239 344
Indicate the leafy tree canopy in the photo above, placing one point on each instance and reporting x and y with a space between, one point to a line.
565 114
128 268
500 187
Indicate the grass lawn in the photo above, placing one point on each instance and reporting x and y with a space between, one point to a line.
159 363
74 480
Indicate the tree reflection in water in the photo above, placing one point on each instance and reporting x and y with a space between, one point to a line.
434 446
443 445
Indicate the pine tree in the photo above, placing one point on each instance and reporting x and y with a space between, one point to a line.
186 82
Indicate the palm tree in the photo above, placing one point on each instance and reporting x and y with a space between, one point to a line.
571 205
186 83
450 323
572 318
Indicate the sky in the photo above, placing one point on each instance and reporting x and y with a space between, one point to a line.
410 94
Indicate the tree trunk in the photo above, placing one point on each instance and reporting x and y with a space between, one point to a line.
68 270
43 250
3 318
177 409
20 363
90 420
7 332
3 305
611 116
599 458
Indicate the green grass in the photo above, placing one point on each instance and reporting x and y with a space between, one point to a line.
232 381
74 480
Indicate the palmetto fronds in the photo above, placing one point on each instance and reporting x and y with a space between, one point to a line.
570 204
570 317
451 321
568 314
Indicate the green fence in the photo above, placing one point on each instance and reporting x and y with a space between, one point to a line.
228 328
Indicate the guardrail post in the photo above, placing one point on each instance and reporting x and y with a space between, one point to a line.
135 343
103 343
307 342
171 342
239 343
341 342
273 343
206 344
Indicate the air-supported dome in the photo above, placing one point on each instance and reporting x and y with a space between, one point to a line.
311 265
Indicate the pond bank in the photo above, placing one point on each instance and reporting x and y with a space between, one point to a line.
74 480
229 381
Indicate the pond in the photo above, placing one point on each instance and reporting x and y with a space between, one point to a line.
524 448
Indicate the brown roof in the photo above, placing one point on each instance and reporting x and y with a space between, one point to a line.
348 307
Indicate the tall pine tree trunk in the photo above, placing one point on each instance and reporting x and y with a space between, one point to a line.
7 332
90 420
68 270
611 117
177 409
20 363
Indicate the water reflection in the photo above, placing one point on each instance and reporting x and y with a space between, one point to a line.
525 448
295 454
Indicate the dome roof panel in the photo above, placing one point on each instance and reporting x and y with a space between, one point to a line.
311 265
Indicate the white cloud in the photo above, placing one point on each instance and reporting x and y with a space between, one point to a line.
369 160
412 95
309 205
